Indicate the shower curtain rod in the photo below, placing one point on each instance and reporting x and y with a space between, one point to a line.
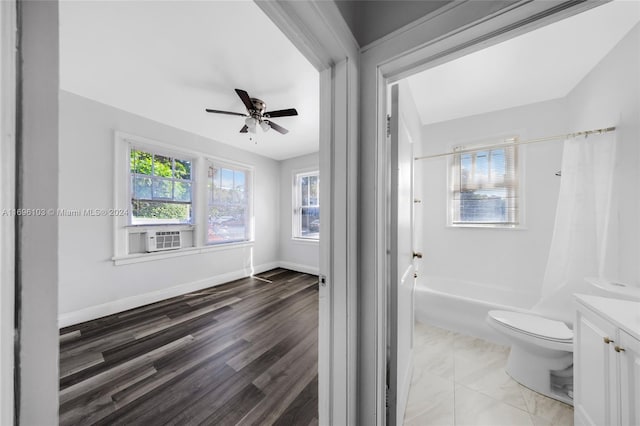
514 141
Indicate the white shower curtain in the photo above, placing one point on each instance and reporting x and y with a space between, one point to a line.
579 242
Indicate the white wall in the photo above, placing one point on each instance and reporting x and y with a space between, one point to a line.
296 254
88 277
508 258
610 96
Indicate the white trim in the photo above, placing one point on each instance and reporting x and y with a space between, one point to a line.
149 257
307 241
92 312
298 267
325 353
8 26
139 229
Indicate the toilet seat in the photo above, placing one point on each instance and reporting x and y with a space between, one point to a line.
533 325
539 348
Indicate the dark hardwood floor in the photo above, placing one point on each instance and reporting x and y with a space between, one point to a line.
245 353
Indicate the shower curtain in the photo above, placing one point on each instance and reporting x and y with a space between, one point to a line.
580 235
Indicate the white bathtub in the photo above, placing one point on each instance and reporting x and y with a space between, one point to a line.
462 306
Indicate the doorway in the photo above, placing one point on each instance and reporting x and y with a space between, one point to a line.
441 211
38 380
196 170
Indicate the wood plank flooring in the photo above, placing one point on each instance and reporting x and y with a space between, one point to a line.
245 353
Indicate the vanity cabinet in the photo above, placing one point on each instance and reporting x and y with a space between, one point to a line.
630 379
606 362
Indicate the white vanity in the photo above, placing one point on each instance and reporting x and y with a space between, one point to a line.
606 361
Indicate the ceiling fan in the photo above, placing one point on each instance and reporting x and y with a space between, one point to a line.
257 114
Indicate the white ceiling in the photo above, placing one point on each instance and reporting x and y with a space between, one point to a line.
169 60
538 66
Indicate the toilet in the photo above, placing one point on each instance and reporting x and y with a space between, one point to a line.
541 356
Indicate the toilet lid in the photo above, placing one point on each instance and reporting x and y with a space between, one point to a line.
533 324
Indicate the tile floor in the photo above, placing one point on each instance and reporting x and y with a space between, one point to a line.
460 380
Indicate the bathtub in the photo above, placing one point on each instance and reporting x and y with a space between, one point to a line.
462 306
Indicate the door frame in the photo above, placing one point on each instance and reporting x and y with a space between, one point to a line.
8 37
455 31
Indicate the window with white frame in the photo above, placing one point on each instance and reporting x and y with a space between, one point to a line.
306 212
161 188
485 187
229 208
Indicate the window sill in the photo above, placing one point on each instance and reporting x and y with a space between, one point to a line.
138 229
311 241
481 226
149 257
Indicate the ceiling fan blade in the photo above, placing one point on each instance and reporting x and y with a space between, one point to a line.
244 129
246 99
277 128
282 113
226 112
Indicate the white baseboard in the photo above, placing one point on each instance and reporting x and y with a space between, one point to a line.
403 391
313 270
92 312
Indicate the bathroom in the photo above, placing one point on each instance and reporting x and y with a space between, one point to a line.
552 84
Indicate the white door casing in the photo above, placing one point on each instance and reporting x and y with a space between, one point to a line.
8 28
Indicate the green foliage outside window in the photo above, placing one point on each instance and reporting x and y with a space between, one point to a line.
161 187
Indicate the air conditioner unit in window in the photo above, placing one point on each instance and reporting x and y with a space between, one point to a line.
162 240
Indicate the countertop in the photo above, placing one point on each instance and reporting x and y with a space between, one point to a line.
624 314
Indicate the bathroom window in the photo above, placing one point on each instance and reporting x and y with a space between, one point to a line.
484 187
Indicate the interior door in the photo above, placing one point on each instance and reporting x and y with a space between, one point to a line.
402 271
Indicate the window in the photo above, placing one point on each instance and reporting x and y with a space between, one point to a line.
306 217
161 188
228 206
484 189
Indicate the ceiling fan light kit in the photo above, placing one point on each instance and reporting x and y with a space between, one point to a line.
250 124
257 114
